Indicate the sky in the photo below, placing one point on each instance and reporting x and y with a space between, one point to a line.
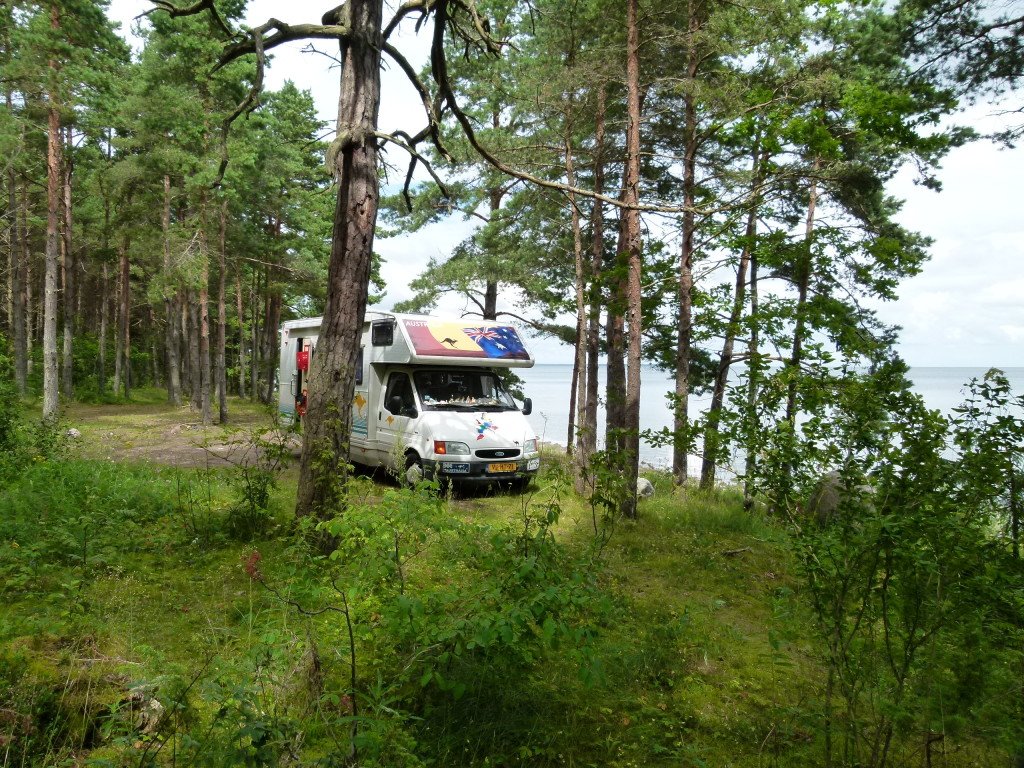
966 308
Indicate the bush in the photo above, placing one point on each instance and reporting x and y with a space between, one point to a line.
85 515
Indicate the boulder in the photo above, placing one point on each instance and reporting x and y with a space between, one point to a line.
644 488
830 493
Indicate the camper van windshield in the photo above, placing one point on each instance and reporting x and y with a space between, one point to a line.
462 389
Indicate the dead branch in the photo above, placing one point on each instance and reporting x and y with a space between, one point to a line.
190 10
282 33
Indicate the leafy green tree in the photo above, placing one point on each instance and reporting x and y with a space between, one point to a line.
989 431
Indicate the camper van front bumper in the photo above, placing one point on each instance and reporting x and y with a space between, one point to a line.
482 471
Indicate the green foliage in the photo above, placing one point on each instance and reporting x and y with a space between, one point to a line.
67 521
903 573
262 458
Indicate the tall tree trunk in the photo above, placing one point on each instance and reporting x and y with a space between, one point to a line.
32 319
220 367
681 417
732 328
328 421
18 280
491 300
13 256
752 426
242 341
615 341
272 338
587 433
267 326
101 372
803 281
118 334
193 348
70 279
254 363
153 356
171 309
51 394
205 373
578 393
124 316
633 243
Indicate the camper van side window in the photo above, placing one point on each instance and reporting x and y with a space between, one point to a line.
359 367
399 386
382 333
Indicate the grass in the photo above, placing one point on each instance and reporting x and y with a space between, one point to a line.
122 586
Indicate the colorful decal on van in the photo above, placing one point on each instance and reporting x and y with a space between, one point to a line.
432 338
482 425
360 421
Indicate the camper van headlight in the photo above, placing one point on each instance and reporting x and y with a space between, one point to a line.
450 448
530 446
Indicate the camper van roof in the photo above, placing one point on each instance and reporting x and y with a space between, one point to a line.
438 340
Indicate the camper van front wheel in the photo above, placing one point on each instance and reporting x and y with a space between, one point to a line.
413 469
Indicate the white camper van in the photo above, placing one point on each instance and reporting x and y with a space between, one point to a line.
428 401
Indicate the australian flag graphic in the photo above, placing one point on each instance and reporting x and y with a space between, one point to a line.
500 341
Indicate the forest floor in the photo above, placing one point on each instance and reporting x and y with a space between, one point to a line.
147 429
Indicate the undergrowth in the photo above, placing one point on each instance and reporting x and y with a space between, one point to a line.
141 625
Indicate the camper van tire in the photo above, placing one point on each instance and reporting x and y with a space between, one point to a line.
413 470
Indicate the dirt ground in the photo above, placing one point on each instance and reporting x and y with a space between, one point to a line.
150 430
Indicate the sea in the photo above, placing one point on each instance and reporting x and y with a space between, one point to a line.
549 386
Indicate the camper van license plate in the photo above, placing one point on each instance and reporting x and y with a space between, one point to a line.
504 466
452 468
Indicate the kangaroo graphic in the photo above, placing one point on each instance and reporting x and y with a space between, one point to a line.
450 342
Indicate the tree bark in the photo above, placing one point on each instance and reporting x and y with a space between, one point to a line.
269 338
18 279
254 363
681 417
803 280
241 332
752 426
171 310
325 445
193 347
220 372
101 373
51 391
153 356
578 390
205 373
587 433
118 334
26 265
124 316
615 341
13 256
68 272
491 300
633 243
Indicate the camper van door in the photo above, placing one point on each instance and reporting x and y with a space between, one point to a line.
396 412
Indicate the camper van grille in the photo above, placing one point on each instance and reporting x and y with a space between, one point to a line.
500 453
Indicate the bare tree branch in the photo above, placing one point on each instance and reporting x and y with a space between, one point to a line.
283 33
191 10
247 105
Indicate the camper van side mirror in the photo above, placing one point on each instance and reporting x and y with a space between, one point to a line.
395 404
527 407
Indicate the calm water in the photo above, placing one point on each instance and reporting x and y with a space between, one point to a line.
548 385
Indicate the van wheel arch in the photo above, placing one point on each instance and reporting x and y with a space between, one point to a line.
412 473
